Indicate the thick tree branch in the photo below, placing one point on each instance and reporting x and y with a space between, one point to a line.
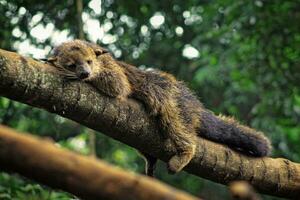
85 177
34 83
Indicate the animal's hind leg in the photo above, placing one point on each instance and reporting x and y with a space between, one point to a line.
180 135
160 98
186 148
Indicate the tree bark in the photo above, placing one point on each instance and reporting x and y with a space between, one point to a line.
85 177
37 84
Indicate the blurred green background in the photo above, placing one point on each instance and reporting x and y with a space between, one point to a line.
242 58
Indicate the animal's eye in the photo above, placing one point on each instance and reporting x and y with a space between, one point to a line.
89 61
72 66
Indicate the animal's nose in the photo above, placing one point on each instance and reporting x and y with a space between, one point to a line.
84 75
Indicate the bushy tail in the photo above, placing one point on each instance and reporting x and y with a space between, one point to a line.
228 131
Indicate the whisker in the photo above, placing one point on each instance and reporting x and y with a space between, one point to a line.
71 77
67 74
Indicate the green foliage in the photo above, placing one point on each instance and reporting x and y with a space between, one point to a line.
240 57
13 187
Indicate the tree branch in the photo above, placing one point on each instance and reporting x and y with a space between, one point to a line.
85 177
37 84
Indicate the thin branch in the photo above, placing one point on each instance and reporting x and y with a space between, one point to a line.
92 143
91 134
79 8
37 84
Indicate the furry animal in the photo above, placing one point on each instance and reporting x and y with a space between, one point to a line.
180 114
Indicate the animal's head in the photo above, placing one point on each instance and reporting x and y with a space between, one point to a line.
76 59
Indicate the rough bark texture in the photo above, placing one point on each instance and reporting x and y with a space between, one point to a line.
85 177
34 83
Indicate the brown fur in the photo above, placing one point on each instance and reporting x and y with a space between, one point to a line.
180 114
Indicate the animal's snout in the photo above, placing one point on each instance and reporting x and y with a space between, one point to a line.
84 74
83 71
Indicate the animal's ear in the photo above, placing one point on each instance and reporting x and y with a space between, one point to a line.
96 48
99 51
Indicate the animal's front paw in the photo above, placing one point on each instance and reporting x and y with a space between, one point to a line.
175 165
